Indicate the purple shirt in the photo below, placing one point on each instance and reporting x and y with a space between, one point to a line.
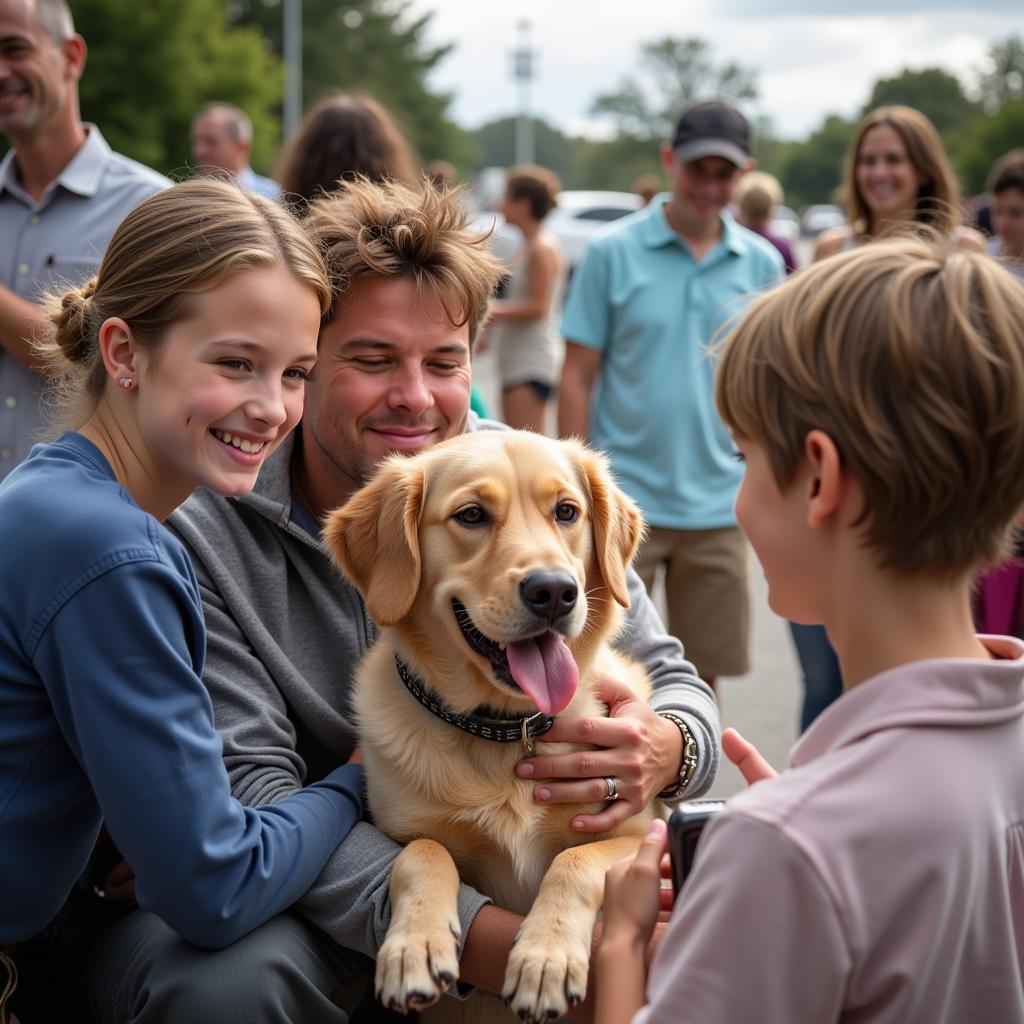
880 878
780 243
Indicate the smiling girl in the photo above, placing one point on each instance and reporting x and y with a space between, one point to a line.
181 365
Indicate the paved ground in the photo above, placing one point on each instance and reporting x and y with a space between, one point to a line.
762 704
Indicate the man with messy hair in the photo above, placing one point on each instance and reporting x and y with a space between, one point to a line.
412 285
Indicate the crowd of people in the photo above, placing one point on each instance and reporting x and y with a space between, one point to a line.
221 361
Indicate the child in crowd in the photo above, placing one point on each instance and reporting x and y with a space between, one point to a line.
875 399
1006 187
182 364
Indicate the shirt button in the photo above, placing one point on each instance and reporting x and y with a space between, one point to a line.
34 219
5 453
22 268
10 401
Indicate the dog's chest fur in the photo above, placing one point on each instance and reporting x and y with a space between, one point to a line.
428 779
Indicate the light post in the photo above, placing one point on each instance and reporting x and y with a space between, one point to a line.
292 66
523 72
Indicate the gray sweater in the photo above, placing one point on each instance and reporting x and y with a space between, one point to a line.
285 632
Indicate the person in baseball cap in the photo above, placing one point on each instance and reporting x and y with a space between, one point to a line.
712 128
651 293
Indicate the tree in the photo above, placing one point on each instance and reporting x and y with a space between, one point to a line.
152 65
990 138
1002 79
615 164
935 92
496 143
372 46
812 171
677 72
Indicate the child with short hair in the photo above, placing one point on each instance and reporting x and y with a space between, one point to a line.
876 401
1006 187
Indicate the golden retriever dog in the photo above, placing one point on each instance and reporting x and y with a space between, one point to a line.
495 564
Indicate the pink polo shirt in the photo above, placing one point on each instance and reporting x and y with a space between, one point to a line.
880 878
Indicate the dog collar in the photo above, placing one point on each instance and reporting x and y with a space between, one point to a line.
525 728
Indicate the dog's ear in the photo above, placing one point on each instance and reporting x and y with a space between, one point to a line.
374 538
618 525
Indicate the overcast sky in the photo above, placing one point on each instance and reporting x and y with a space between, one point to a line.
812 57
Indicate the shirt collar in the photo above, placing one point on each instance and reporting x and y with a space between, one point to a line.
657 231
83 172
939 692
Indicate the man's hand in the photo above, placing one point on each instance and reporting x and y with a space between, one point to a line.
636 747
753 767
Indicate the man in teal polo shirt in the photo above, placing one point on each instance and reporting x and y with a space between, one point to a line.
651 294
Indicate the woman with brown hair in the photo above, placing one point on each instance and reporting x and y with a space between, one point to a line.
344 136
896 175
523 326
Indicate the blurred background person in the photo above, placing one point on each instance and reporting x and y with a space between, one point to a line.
63 191
441 174
755 198
523 326
1006 188
342 137
897 174
647 186
222 147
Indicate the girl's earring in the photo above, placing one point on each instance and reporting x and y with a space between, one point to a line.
126 382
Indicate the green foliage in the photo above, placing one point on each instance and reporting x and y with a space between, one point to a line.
495 142
371 46
615 164
676 72
152 65
936 93
990 138
812 171
1002 80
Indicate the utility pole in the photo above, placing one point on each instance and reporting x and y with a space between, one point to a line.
523 67
292 66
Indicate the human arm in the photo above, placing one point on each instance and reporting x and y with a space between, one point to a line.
119 660
830 242
19 320
633 900
543 264
644 749
579 371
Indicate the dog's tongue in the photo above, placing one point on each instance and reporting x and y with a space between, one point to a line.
545 670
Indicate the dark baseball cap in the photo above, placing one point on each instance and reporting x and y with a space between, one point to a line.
712 128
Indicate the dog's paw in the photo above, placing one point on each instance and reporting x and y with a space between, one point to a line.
416 967
545 979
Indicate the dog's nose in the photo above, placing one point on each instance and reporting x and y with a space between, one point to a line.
549 594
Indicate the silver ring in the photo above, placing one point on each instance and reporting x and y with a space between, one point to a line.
613 789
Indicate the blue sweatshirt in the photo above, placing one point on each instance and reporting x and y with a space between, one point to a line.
103 715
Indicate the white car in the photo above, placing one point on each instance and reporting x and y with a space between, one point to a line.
578 215
785 223
822 216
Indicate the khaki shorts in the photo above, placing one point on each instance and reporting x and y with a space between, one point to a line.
707 591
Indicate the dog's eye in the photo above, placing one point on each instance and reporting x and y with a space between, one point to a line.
471 515
566 513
